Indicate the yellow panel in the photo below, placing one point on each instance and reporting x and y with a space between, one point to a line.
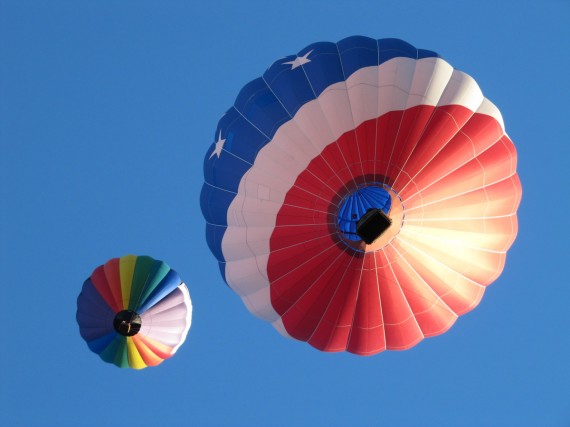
127 269
135 359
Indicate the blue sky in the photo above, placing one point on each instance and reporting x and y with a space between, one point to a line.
106 111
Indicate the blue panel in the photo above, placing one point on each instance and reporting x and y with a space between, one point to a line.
357 204
91 301
214 235
100 344
325 68
258 104
357 52
170 282
422 53
394 48
94 316
215 203
109 350
242 142
289 85
223 173
222 266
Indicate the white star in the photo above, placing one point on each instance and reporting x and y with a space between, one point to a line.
300 60
219 146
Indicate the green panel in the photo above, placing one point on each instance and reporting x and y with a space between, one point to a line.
108 355
121 357
141 276
158 272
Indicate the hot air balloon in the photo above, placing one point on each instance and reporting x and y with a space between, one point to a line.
361 195
134 311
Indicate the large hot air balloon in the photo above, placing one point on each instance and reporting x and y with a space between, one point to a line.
361 195
134 311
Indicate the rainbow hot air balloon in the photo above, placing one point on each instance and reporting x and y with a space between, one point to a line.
361 195
134 311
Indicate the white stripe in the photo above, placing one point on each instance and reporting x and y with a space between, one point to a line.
370 92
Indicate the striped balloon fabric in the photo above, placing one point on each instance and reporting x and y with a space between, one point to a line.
361 195
134 311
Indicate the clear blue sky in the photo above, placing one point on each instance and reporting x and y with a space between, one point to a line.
106 110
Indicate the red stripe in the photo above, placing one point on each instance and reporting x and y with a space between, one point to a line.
337 299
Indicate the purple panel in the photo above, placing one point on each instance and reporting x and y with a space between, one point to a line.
94 316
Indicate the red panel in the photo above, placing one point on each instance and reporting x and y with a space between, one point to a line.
293 270
335 158
367 333
303 317
451 157
504 196
436 160
442 127
348 145
320 187
483 131
100 282
367 145
294 215
479 266
431 313
113 275
285 237
324 170
333 331
402 330
498 161
387 130
492 165
412 127
458 292
498 199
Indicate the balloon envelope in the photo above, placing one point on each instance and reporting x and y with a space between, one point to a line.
340 130
134 311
